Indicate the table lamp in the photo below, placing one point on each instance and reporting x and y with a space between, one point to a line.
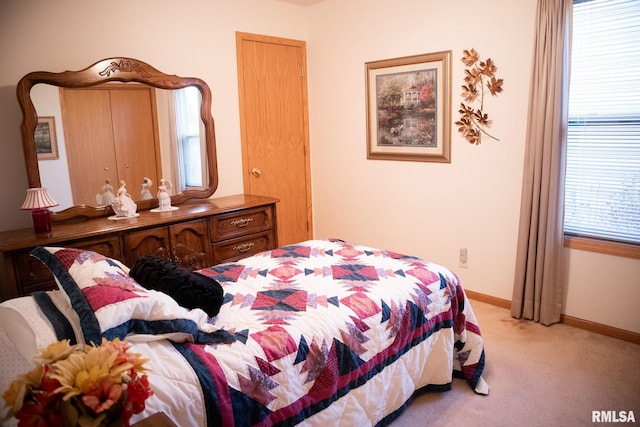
38 202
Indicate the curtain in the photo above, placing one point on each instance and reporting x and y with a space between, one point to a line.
538 287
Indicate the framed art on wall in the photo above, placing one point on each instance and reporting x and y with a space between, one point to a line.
409 108
45 138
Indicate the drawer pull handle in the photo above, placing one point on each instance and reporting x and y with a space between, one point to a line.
245 247
242 222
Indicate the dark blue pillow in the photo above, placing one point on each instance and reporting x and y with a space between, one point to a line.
189 289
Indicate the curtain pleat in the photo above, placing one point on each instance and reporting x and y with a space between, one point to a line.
538 285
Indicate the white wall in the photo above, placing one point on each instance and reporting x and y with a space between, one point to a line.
425 209
430 209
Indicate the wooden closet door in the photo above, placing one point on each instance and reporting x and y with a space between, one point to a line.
88 133
110 132
134 135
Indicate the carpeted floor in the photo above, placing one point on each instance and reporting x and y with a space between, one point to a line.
538 376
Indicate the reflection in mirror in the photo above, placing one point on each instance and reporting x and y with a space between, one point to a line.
119 119
83 171
190 150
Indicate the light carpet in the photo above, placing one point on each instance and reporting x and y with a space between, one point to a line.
538 376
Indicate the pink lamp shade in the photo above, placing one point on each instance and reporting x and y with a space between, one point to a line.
38 201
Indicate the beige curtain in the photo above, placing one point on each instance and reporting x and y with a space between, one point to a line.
538 290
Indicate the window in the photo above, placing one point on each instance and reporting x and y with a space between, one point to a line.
602 189
190 146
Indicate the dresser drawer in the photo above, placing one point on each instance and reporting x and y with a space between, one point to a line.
241 223
33 274
235 249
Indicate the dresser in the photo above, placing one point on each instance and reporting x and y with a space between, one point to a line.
197 235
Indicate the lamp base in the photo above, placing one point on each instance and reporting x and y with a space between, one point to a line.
41 220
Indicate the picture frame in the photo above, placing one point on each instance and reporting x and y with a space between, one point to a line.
45 138
408 103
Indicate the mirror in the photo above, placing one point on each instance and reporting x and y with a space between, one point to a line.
190 156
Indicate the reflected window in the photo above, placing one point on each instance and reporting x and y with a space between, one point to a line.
188 128
191 160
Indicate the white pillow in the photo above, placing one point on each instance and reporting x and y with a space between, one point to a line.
24 325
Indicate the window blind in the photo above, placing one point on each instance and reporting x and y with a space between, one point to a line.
602 187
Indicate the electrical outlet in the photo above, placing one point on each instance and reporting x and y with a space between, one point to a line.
464 258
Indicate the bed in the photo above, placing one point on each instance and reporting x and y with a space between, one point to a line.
323 331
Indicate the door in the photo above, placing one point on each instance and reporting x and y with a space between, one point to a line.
272 87
135 137
119 120
87 117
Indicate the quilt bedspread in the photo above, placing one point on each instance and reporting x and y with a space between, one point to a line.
330 324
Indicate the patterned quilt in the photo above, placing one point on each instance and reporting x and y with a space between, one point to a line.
328 331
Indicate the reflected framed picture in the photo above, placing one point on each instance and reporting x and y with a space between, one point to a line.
45 138
409 108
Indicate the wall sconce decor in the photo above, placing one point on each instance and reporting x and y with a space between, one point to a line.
474 121
38 201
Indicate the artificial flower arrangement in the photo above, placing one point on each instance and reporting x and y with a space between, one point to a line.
77 385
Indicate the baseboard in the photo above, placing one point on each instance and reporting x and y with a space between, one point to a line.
599 328
504 303
587 325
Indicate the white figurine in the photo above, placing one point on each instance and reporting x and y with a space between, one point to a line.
146 185
123 205
105 197
164 200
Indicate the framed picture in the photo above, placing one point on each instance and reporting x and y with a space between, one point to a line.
409 108
45 138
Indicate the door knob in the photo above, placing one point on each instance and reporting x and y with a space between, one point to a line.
256 172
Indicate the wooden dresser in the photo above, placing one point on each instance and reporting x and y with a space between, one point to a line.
199 234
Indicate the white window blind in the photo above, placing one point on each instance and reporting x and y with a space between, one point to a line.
602 189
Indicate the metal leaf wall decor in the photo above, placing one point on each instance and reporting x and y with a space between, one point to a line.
474 121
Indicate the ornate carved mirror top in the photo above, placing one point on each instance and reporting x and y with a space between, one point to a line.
119 119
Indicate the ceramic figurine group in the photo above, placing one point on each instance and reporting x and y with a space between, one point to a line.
123 205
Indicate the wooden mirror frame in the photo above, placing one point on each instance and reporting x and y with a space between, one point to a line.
117 69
